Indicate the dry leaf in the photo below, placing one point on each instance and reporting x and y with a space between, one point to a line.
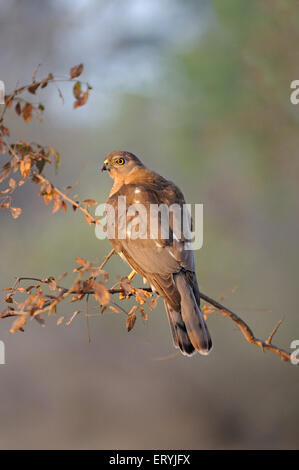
131 318
4 130
18 108
90 202
25 166
15 212
18 324
56 205
12 183
81 100
32 89
101 293
81 261
63 206
27 112
77 90
76 71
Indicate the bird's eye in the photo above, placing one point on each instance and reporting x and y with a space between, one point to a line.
120 161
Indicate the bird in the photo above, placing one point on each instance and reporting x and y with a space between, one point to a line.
164 263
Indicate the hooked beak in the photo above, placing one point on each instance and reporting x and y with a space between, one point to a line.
105 167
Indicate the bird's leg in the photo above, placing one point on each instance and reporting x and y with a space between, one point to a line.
132 274
130 277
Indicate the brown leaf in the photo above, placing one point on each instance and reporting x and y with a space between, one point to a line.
2 147
56 204
76 71
4 175
49 188
81 261
8 100
47 198
12 183
25 166
4 130
131 319
18 108
77 90
88 285
95 272
63 206
90 202
32 89
45 81
9 299
101 293
18 324
27 112
15 212
5 205
81 100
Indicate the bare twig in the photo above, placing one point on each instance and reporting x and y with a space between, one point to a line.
269 340
80 291
86 318
64 196
107 258
246 330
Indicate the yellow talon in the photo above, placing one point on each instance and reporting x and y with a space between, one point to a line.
132 274
130 277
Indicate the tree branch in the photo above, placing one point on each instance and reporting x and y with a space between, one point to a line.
81 289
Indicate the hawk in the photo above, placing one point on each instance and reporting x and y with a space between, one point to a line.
164 262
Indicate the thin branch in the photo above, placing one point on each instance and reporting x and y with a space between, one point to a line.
269 340
107 258
74 290
86 318
44 180
246 330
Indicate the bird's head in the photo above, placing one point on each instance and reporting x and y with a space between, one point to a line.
121 164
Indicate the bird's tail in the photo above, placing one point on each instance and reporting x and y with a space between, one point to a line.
188 327
178 329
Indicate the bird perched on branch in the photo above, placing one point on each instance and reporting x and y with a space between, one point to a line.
164 262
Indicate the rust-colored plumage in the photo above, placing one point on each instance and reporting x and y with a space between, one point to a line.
168 267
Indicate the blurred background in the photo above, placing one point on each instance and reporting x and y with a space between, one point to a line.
200 91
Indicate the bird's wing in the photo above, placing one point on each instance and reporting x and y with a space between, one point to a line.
155 259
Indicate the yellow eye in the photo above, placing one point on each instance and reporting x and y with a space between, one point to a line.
120 161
